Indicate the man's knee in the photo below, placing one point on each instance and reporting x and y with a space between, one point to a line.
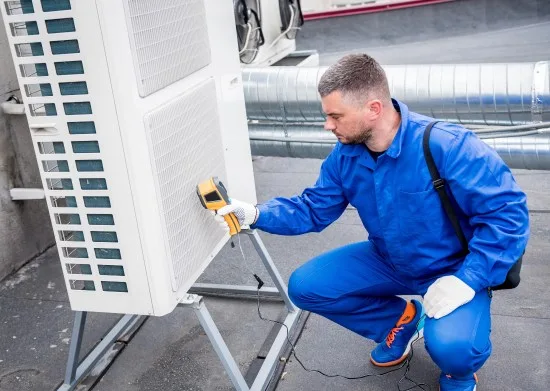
303 290
455 355
297 289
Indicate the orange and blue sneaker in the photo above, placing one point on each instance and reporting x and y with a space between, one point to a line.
396 347
448 383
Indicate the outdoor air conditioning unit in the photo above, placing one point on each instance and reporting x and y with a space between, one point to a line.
132 103
266 29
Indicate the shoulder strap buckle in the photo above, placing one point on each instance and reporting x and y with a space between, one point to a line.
439 183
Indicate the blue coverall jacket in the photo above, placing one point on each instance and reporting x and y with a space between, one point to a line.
402 212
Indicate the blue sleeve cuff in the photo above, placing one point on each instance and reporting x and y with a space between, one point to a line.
471 279
262 217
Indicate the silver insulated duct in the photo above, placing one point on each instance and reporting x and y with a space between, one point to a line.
284 108
489 94
312 141
529 152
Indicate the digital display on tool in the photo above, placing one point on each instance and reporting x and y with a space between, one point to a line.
213 196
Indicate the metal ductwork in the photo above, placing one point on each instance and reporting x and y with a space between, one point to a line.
312 141
489 94
303 141
284 107
528 152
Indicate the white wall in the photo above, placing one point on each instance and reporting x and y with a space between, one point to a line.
25 229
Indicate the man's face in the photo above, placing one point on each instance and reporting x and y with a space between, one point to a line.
350 122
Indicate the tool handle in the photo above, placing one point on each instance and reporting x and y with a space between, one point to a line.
233 222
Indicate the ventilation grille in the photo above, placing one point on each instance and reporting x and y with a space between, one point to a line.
54 82
185 146
169 41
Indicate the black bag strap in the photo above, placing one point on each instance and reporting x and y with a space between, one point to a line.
439 185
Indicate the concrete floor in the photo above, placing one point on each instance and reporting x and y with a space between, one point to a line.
173 353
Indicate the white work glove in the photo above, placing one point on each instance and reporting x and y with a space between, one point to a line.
246 213
221 221
445 295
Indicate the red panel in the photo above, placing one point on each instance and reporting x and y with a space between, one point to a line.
369 9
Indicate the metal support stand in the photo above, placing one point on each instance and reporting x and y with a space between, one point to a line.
269 365
77 371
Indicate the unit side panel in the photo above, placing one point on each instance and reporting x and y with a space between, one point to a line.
185 149
165 133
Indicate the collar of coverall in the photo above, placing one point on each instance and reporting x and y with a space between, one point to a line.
395 148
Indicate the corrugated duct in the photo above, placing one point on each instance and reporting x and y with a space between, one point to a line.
284 108
489 94
312 141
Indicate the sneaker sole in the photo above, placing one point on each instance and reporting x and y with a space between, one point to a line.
475 388
404 356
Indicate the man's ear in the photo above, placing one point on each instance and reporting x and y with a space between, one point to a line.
374 109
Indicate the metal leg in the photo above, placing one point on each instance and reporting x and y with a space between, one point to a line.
268 367
74 347
244 290
217 341
76 372
272 358
270 363
271 268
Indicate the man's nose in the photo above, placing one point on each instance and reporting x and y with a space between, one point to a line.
329 125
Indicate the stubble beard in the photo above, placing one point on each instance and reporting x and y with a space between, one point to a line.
362 137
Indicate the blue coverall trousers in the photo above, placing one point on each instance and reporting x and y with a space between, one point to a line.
356 287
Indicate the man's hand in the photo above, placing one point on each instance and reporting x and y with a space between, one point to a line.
246 213
445 295
221 221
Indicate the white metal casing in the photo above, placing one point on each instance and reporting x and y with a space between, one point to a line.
166 114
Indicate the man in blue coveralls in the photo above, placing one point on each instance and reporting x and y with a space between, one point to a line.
378 166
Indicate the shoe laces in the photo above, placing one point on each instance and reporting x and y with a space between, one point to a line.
391 336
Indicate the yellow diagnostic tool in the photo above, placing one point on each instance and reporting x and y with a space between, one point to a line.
213 196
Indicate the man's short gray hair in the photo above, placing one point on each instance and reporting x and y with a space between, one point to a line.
358 77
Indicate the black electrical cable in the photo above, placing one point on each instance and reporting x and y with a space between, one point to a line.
406 364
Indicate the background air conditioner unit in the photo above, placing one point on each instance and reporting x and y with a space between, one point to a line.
131 103
266 29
